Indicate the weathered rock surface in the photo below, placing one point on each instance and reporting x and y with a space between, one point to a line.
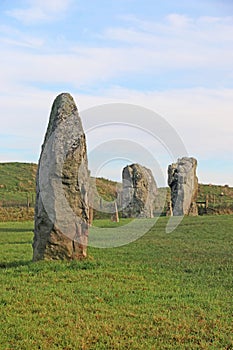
61 212
139 191
183 182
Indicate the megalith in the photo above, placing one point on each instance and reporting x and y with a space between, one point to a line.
138 192
62 185
183 183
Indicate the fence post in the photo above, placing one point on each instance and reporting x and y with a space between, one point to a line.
28 202
207 201
116 212
90 215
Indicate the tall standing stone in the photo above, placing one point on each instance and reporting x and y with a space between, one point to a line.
183 182
62 184
139 191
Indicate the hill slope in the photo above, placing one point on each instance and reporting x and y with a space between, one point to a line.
17 184
17 179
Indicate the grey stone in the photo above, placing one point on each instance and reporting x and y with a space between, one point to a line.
62 184
139 192
183 182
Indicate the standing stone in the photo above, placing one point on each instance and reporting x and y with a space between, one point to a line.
139 192
61 211
183 182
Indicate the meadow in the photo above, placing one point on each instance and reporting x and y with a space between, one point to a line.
163 291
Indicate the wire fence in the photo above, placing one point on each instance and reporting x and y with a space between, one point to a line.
213 203
207 204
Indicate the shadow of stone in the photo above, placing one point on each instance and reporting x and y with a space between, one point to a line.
13 264
9 229
21 242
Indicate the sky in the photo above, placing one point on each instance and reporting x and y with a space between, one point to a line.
174 58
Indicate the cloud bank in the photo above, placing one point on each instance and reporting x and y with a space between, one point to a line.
180 66
36 11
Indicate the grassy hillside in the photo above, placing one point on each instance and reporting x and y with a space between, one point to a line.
107 189
19 179
17 184
164 291
16 180
220 198
215 193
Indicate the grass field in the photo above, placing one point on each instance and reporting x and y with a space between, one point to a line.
164 291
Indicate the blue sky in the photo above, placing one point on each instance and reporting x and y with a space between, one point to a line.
172 57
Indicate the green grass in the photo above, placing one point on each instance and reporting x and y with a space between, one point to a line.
17 181
18 176
164 291
107 189
218 196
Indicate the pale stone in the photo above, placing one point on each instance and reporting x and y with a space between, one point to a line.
61 211
139 192
183 182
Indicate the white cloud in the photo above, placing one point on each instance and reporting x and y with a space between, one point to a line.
39 10
51 5
179 21
183 42
202 118
13 37
152 48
